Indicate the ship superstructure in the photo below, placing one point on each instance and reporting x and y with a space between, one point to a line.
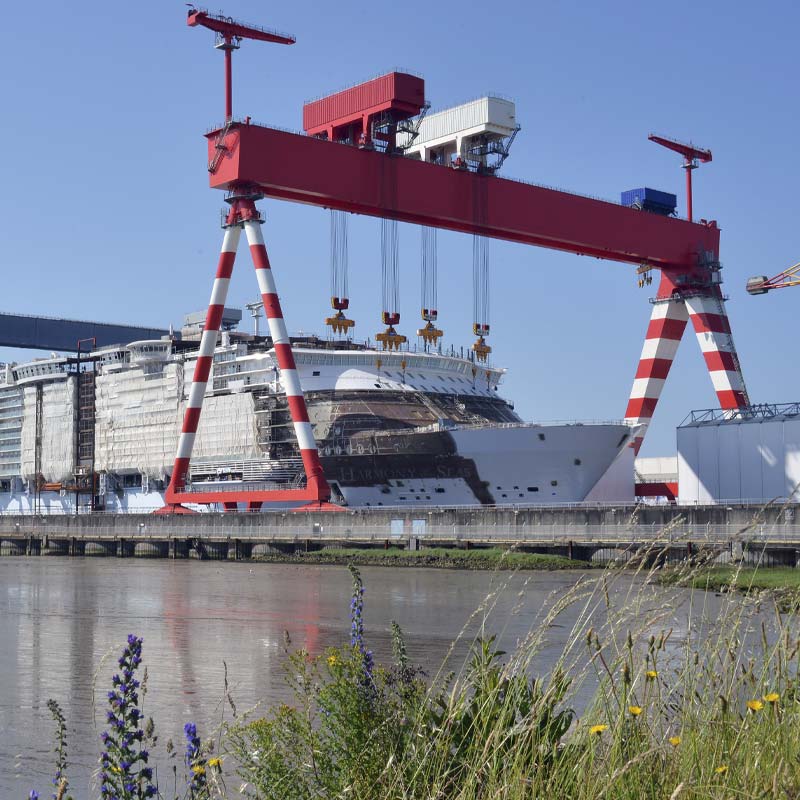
393 428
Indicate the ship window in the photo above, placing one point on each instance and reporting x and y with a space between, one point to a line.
521 495
315 373
541 437
503 495
439 490
377 386
577 462
516 487
533 488
401 483
554 483
402 498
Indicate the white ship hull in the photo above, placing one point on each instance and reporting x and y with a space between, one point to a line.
409 429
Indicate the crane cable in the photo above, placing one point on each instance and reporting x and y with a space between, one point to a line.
340 300
390 285
480 295
429 280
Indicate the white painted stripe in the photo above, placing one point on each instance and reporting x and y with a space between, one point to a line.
660 348
646 387
672 309
230 241
252 230
196 395
277 330
208 343
185 445
291 383
726 381
266 281
219 292
710 342
305 436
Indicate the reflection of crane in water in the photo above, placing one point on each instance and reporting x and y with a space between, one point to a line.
193 612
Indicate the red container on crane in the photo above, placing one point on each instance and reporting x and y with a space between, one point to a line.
349 114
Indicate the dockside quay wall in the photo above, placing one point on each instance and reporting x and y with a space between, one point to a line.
637 524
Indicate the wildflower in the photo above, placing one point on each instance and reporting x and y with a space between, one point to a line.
754 705
332 660
596 730
635 710
121 773
34 795
772 697
216 763
194 759
651 674
674 740
721 769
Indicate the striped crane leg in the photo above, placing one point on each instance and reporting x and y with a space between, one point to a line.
316 484
667 324
202 369
710 321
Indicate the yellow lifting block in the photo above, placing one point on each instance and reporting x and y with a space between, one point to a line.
430 334
340 324
481 349
390 339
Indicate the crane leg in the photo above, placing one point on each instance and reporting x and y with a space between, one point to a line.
710 321
202 369
317 487
667 324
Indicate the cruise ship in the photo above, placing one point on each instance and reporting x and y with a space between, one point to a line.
394 428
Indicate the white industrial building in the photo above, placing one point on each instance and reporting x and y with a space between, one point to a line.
729 456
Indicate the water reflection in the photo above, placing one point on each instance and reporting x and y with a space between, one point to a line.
64 621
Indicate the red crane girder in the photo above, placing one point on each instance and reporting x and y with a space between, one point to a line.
687 150
308 170
228 27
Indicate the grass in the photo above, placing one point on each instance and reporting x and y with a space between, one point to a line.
709 711
656 693
781 583
446 558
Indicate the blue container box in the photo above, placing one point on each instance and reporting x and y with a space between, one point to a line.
650 200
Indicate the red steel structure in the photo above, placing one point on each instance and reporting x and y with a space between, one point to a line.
252 161
692 156
354 114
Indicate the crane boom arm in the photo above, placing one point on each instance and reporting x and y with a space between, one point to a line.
228 27
761 284
305 169
688 151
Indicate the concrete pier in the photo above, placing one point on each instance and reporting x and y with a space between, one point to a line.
586 532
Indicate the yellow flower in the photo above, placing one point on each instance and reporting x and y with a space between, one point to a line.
597 729
332 660
721 769
651 673
214 762
674 740
755 705
199 769
635 710
772 697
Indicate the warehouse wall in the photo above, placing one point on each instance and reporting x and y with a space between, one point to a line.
752 460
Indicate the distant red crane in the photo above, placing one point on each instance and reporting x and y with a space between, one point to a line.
692 157
229 34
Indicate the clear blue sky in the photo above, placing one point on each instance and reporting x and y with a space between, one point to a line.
106 212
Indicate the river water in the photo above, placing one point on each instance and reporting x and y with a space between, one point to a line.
63 622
